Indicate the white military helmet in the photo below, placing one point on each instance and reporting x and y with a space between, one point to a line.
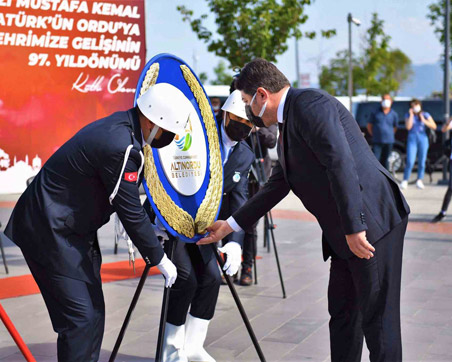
235 105
166 106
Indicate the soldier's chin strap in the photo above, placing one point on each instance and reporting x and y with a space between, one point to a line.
152 134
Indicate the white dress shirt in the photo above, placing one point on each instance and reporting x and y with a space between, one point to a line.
228 144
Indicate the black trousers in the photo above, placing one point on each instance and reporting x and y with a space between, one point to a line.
76 309
364 299
448 194
382 151
197 284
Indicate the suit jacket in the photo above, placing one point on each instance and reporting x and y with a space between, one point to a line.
325 160
92 175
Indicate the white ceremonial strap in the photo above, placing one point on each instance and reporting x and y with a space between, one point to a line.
141 167
131 251
115 191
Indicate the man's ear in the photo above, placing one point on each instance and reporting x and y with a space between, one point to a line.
263 93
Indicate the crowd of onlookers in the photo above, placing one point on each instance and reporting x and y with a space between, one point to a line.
419 124
383 126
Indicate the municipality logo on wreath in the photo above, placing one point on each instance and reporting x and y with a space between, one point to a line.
184 180
184 142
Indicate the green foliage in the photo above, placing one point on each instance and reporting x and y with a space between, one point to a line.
247 29
223 77
379 70
436 15
401 68
203 77
334 77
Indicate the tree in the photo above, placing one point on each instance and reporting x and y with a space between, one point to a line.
378 70
223 77
203 77
436 13
247 29
401 69
333 78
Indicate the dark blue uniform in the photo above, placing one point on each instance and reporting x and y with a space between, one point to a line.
55 221
198 278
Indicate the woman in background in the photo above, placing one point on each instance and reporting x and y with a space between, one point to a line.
416 122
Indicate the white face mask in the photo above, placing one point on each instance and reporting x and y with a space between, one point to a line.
216 108
386 103
261 113
417 108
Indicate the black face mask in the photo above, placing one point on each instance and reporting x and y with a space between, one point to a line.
257 121
165 139
237 131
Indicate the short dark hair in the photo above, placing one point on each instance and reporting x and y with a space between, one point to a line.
415 101
260 73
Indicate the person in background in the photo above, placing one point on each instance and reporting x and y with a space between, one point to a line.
417 123
382 127
261 139
216 106
448 195
194 295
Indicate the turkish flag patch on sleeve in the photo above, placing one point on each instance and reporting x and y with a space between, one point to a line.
131 176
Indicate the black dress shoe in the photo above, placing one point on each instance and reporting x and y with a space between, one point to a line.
439 217
246 278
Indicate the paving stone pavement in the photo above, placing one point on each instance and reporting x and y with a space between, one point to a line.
291 329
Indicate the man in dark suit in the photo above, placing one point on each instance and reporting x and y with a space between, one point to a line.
94 174
326 162
198 283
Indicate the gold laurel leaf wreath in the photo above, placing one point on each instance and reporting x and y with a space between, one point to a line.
150 78
209 206
180 220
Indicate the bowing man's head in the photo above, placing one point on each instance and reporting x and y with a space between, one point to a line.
262 86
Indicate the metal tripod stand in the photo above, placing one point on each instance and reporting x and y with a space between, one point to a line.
269 226
163 316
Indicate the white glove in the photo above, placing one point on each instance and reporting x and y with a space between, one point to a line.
169 271
233 253
159 229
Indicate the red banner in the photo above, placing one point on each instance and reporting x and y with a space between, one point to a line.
63 64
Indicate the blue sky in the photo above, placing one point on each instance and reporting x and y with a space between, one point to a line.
405 22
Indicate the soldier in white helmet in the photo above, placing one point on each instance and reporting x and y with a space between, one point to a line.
95 173
194 295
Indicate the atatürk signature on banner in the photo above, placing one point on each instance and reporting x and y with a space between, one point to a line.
115 84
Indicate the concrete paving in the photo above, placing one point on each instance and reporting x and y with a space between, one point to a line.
291 329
